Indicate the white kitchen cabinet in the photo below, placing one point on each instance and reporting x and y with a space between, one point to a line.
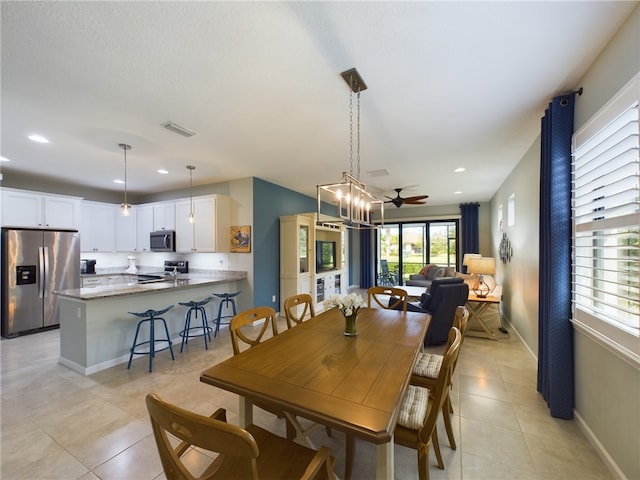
164 216
23 208
210 230
144 226
126 230
98 227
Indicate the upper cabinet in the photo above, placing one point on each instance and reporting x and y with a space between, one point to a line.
98 227
126 230
144 225
164 216
209 231
21 208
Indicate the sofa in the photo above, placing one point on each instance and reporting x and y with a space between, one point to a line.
428 274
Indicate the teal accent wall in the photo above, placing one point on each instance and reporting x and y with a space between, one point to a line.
270 201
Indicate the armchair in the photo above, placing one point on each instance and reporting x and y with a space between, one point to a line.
442 299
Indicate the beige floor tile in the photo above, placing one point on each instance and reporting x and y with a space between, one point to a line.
495 444
486 387
140 461
488 410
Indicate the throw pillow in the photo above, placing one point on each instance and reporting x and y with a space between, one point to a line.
424 270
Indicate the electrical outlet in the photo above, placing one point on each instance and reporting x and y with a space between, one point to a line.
273 298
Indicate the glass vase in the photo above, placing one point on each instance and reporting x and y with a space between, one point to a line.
350 325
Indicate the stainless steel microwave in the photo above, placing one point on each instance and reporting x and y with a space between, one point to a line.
163 241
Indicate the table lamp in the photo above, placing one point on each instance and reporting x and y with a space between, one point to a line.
467 257
481 266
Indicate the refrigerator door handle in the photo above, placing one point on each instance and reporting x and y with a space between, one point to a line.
43 259
45 286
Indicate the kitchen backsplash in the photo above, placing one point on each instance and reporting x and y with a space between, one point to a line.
197 261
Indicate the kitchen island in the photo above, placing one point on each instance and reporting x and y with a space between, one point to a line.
96 330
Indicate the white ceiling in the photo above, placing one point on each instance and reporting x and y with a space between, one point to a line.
450 84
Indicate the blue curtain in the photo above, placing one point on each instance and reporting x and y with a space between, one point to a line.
555 332
469 234
366 258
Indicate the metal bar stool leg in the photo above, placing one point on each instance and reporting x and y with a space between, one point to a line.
226 299
150 316
195 330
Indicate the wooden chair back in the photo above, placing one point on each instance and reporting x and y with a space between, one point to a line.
252 453
461 320
249 317
387 297
296 309
209 433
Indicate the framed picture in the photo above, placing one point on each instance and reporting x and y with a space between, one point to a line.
241 239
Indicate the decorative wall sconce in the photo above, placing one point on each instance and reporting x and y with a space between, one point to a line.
506 252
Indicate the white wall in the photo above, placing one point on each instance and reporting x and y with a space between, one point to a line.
519 277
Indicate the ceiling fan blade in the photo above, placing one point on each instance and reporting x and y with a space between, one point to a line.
415 202
415 198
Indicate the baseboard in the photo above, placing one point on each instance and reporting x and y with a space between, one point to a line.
599 448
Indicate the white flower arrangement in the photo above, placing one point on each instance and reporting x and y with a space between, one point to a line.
348 305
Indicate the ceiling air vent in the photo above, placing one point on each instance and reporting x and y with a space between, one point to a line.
179 129
378 173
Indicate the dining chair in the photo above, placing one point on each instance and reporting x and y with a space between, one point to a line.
418 417
238 327
296 309
428 365
388 297
250 453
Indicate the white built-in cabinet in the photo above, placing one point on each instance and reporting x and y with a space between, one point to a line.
98 227
209 231
298 236
22 208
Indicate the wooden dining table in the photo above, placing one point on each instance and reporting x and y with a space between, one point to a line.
353 384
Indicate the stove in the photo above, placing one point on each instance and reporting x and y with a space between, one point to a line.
180 266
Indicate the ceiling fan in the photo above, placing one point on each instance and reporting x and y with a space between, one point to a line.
398 201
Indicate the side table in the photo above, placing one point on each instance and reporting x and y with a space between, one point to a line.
477 306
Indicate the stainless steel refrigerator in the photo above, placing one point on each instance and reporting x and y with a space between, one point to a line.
35 263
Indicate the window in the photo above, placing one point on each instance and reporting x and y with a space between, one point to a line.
606 224
407 247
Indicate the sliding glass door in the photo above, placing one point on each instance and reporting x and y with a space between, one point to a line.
404 248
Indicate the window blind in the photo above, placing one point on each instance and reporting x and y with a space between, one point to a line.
606 224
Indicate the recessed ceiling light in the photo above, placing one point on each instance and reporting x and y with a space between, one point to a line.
119 182
4 159
459 170
457 193
38 138
163 171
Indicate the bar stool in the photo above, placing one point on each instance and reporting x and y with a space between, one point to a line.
226 300
151 316
196 331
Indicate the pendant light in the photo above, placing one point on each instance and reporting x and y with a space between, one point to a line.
354 203
191 168
125 206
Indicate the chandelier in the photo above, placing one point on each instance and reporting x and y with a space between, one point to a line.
353 203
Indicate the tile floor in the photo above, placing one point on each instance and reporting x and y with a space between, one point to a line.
57 424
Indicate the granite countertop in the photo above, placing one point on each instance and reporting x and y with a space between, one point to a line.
183 281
